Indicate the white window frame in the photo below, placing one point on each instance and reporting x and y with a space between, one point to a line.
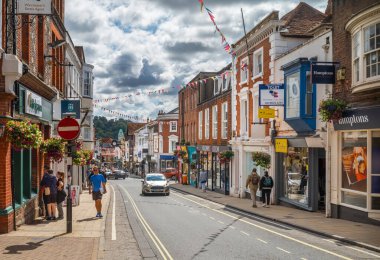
200 125
256 61
218 81
215 122
224 120
173 123
207 123
226 82
245 71
160 127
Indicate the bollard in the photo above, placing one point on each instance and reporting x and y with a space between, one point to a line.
69 211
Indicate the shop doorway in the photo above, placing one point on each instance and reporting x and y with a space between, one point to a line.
322 184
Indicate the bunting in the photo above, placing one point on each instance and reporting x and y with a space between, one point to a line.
120 114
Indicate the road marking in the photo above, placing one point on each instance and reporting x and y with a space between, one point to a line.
220 222
232 227
279 248
161 248
265 242
113 232
337 236
362 251
244 233
266 229
329 240
302 258
212 218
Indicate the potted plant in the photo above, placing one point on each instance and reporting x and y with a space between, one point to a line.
225 156
54 148
182 153
331 109
193 165
261 159
23 134
82 157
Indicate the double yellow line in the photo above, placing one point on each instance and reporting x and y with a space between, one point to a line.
161 248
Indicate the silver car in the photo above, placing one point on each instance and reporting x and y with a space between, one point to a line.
155 183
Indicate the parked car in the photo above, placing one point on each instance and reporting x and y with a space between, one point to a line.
155 183
118 174
107 173
170 173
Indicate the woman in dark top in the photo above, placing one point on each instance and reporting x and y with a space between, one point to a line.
49 183
61 194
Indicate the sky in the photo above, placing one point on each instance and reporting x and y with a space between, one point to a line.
138 46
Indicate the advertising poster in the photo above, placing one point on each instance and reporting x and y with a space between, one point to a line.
354 160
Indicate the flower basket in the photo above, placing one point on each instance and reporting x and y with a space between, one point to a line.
331 109
193 165
23 134
225 156
82 157
261 159
182 153
176 153
54 148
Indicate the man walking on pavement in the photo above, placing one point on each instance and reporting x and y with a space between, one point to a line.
203 179
252 182
98 188
266 185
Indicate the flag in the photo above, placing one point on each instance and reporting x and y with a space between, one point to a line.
202 4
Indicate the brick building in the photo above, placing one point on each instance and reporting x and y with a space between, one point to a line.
355 145
130 143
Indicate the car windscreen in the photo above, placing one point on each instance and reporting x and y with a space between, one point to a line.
155 178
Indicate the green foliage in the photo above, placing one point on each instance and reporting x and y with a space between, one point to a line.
109 128
23 134
331 109
261 159
54 148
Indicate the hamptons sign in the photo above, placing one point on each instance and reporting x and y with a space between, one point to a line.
37 7
323 74
359 119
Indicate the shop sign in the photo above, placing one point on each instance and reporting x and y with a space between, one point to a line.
271 95
266 113
281 145
357 119
323 74
33 104
70 107
36 7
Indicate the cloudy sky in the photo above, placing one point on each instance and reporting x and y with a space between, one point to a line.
147 45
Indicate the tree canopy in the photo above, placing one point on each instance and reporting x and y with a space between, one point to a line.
109 128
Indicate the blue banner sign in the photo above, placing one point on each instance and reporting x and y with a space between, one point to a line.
71 107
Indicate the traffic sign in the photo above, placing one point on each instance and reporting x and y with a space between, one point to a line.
68 128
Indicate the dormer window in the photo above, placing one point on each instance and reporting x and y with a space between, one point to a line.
226 82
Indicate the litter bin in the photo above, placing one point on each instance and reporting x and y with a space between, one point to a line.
184 178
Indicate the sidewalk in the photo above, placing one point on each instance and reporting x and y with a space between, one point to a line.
48 239
359 234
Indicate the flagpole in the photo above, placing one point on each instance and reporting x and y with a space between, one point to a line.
245 33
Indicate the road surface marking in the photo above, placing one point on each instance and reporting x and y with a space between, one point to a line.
337 236
220 222
329 240
302 258
244 233
266 229
362 251
161 248
212 218
265 242
232 227
113 233
279 248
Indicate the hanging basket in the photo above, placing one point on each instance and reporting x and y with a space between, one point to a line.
331 110
23 134
261 159
54 148
82 157
225 157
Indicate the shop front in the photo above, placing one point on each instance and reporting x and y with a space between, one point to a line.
357 183
300 173
167 161
218 171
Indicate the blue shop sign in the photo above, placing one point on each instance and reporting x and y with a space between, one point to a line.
70 107
323 74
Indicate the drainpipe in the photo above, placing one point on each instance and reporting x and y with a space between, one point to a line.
328 174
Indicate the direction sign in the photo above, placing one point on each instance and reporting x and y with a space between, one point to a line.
68 128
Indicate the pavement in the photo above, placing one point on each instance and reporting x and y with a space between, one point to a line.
358 234
48 239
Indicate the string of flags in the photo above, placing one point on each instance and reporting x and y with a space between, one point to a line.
119 114
164 90
226 45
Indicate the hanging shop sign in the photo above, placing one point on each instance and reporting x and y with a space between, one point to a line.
271 95
357 119
33 104
36 7
70 107
323 74
266 113
281 145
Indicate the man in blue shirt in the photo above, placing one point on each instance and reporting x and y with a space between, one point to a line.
98 188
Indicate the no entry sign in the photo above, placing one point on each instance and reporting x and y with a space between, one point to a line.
68 128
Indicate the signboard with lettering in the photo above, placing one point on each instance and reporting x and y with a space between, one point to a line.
36 7
271 95
266 113
281 145
33 104
323 74
357 119
70 107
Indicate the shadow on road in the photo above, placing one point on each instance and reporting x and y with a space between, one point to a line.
88 219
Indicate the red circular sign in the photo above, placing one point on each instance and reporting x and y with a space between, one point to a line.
68 128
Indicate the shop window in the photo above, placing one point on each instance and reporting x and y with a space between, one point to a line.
296 168
354 199
293 95
354 161
376 203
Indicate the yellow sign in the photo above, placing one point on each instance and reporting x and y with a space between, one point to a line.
281 145
266 113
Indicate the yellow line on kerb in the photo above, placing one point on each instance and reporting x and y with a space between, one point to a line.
161 248
266 229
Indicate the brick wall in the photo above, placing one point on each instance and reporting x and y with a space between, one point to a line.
166 133
188 110
343 10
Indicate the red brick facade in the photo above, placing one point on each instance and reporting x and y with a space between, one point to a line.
188 117
166 132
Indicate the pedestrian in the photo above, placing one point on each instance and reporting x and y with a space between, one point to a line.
89 174
203 179
44 207
266 185
98 188
61 193
49 184
252 182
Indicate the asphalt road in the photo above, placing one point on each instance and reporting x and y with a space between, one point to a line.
182 226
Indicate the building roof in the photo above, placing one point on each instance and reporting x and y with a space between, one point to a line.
132 127
299 21
80 52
